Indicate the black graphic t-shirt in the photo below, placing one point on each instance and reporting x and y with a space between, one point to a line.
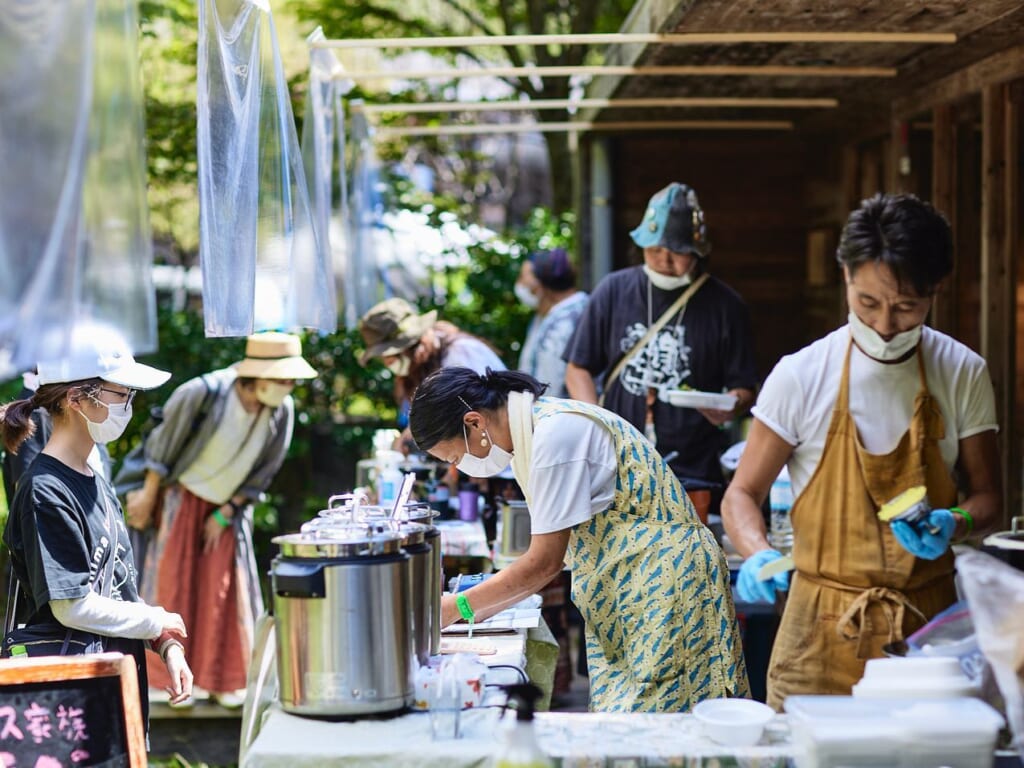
708 346
60 534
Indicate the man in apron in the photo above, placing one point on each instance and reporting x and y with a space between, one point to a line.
878 406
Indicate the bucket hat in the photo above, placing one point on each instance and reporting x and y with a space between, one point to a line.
97 350
674 220
272 355
391 327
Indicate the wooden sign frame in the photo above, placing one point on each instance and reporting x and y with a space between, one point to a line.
52 669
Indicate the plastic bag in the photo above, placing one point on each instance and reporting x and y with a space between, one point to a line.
266 262
995 595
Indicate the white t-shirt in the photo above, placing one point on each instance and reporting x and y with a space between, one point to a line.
468 352
572 472
798 396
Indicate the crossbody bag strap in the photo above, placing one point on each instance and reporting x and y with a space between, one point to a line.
105 578
656 326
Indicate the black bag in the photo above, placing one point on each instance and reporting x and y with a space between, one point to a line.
132 472
49 639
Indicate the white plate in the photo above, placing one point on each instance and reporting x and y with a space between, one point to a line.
689 398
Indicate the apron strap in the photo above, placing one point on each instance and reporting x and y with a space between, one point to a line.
893 604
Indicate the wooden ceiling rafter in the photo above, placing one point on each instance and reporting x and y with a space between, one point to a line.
652 38
584 103
584 126
686 70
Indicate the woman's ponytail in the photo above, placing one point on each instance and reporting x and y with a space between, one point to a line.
16 425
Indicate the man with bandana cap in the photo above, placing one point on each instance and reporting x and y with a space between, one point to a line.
706 343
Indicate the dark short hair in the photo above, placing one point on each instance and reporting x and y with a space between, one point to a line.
553 269
447 395
906 234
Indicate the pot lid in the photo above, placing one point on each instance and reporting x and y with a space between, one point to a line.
340 541
1012 539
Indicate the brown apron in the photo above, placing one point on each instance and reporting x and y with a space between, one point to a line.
855 588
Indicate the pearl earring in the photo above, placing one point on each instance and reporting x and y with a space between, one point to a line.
483 441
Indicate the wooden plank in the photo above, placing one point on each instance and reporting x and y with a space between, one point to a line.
652 38
1013 487
638 125
687 70
523 105
943 198
998 288
998 68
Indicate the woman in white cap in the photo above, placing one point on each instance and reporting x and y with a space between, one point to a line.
69 546
223 437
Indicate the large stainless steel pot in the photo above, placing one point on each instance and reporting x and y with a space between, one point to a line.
342 609
1008 546
424 515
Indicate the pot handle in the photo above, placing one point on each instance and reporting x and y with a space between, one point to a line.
298 580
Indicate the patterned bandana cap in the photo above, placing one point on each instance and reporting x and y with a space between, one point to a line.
674 220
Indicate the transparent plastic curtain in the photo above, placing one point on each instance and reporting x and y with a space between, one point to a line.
363 279
265 262
74 230
322 126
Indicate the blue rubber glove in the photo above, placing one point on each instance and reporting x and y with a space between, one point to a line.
918 539
749 589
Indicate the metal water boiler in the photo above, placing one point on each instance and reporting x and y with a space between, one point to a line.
342 607
418 512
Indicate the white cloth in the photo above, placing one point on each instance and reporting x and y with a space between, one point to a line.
565 464
467 352
797 398
225 462
113 618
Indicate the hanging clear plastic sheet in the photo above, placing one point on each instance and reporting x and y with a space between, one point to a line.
324 120
363 285
75 244
265 262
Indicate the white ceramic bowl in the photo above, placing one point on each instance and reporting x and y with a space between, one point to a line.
733 722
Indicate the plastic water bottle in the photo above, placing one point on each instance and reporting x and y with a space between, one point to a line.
389 477
780 499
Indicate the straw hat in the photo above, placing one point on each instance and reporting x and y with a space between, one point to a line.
391 327
274 355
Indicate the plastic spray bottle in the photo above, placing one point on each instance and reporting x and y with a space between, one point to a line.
521 749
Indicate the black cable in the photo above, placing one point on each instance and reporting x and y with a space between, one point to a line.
522 674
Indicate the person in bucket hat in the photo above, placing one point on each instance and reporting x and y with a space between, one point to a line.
70 551
413 345
222 438
701 340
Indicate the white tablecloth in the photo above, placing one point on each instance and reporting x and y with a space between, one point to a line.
579 739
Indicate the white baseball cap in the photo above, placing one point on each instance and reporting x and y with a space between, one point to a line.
99 351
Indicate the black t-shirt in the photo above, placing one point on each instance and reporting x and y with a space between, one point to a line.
62 529
708 346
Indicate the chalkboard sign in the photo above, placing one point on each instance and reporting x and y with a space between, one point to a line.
70 712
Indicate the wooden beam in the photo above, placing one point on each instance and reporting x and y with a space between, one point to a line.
616 38
944 199
695 70
585 127
998 68
546 104
998 284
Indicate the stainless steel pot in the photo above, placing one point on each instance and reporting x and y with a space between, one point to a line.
423 514
342 607
1008 546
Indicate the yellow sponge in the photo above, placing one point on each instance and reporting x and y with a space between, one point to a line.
911 505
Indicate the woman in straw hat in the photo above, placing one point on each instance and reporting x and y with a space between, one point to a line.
223 437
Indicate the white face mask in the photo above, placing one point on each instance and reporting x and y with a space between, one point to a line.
494 463
667 282
400 367
874 346
272 393
526 297
113 426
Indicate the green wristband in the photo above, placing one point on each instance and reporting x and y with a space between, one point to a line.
966 516
465 610
224 522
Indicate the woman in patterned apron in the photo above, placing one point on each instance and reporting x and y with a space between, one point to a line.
874 408
650 580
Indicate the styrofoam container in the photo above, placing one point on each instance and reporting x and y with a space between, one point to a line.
915 677
733 722
897 733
